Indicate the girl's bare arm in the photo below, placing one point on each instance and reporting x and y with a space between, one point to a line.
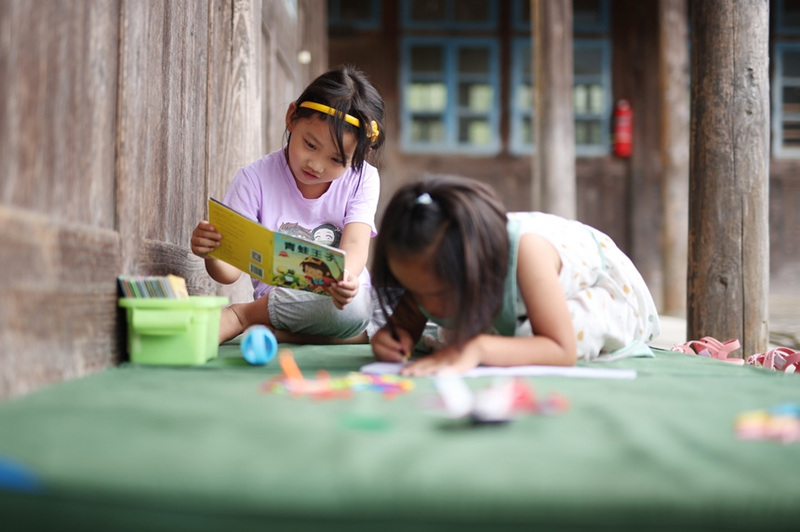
355 243
553 342
206 239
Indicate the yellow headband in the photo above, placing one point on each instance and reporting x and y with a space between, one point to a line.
372 133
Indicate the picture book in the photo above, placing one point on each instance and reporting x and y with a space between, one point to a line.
272 257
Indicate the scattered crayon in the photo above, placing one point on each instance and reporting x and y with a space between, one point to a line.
327 387
781 422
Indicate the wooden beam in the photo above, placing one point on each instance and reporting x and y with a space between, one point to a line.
728 279
553 181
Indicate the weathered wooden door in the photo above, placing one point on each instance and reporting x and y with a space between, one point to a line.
117 120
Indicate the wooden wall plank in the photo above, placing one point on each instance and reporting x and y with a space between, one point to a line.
281 85
162 258
163 121
162 112
58 301
234 135
58 63
117 119
58 250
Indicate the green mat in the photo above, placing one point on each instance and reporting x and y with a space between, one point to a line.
203 448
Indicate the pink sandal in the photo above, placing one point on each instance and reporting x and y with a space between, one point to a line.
711 348
778 359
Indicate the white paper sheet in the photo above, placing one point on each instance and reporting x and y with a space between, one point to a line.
578 372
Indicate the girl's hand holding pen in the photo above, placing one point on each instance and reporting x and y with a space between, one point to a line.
392 348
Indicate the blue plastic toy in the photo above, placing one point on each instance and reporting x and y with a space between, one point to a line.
259 345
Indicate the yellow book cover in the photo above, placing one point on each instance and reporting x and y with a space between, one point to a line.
272 257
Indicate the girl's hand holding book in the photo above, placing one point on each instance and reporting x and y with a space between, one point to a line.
344 291
205 239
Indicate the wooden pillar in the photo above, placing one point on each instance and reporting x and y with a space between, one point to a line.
728 277
673 80
553 185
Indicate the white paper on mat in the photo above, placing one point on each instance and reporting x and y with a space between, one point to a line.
578 372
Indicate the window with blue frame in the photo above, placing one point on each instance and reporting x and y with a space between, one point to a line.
521 100
590 15
591 95
449 93
449 14
591 80
786 80
450 83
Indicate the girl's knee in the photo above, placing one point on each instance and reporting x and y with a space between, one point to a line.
253 312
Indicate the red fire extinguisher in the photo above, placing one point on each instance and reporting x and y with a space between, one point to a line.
623 129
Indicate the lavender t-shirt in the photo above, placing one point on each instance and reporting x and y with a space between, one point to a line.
266 191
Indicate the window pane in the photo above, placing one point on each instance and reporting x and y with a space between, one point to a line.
428 10
791 100
427 129
588 132
471 10
588 98
476 97
426 60
426 97
791 134
473 61
588 61
580 98
587 13
524 97
475 131
791 63
526 62
597 99
580 133
526 132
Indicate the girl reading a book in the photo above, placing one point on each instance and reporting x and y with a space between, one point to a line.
505 289
319 179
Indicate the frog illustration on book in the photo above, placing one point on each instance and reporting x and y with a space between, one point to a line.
286 278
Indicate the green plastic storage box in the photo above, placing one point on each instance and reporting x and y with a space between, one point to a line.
173 332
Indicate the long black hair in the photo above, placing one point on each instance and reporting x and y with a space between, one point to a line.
466 222
347 90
